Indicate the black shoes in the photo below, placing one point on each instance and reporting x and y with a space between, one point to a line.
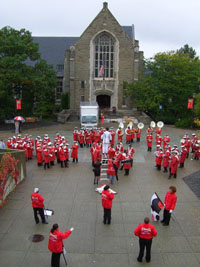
45 222
139 260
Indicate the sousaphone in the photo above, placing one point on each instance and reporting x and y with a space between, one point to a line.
153 124
160 124
140 125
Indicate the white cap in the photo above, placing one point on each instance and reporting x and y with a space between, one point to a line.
36 190
49 143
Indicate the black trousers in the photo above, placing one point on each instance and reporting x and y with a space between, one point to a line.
166 216
145 243
55 259
126 171
46 165
107 216
41 212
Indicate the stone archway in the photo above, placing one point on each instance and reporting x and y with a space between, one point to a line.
103 101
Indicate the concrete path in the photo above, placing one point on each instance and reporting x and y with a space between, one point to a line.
70 193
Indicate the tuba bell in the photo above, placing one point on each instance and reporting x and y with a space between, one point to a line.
153 124
160 124
140 125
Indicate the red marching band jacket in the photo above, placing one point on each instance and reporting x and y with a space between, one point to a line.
170 201
37 200
107 198
145 231
55 240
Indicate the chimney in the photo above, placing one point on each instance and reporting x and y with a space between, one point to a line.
105 5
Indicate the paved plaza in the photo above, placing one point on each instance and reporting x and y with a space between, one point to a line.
70 193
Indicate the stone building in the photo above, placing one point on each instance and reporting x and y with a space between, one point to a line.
95 66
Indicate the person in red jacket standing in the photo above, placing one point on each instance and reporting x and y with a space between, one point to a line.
74 154
38 206
146 232
149 139
170 204
107 198
55 244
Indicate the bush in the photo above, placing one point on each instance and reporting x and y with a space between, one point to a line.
184 123
65 101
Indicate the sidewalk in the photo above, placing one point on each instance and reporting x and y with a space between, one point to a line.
70 193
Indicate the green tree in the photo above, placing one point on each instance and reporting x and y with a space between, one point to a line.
172 78
187 50
19 79
197 106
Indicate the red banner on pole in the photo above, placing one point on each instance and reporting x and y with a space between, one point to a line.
18 104
190 103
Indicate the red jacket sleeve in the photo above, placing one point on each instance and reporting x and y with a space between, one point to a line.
111 196
154 232
41 198
65 235
137 231
174 202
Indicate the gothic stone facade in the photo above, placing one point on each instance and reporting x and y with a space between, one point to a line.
99 62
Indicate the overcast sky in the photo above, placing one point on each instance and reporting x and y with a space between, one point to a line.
160 25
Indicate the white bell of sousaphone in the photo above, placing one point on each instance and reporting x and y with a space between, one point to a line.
160 124
140 125
121 125
153 124
130 125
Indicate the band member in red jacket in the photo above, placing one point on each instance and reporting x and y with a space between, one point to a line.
174 164
74 154
166 159
46 158
183 156
39 155
146 232
149 139
38 206
170 204
107 199
55 244
138 134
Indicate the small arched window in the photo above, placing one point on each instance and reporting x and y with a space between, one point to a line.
104 56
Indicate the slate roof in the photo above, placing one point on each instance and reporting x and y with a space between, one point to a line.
52 49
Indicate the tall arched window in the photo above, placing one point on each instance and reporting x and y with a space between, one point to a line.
104 56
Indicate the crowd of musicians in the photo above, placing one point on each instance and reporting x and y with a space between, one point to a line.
117 157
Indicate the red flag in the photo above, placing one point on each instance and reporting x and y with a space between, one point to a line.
190 103
101 71
18 104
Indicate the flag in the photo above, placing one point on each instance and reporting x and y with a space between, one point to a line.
156 207
101 71
190 103
100 189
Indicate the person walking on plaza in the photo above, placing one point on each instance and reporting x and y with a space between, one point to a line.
38 206
107 199
55 244
146 232
170 204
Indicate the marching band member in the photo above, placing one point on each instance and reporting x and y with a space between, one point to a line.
183 156
112 131
46 158
166 159
170 204
119 134
128 135
174 164
138 134
74 154
166 140
126 163
149 139
159 156
150 130
75 134
106 138
111 152
39 152
110 171
132 135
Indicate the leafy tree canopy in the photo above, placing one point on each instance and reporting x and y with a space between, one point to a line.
163 92
33 82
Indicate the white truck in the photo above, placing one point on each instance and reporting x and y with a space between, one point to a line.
89 114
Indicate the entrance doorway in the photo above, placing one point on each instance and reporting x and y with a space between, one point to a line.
103 101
